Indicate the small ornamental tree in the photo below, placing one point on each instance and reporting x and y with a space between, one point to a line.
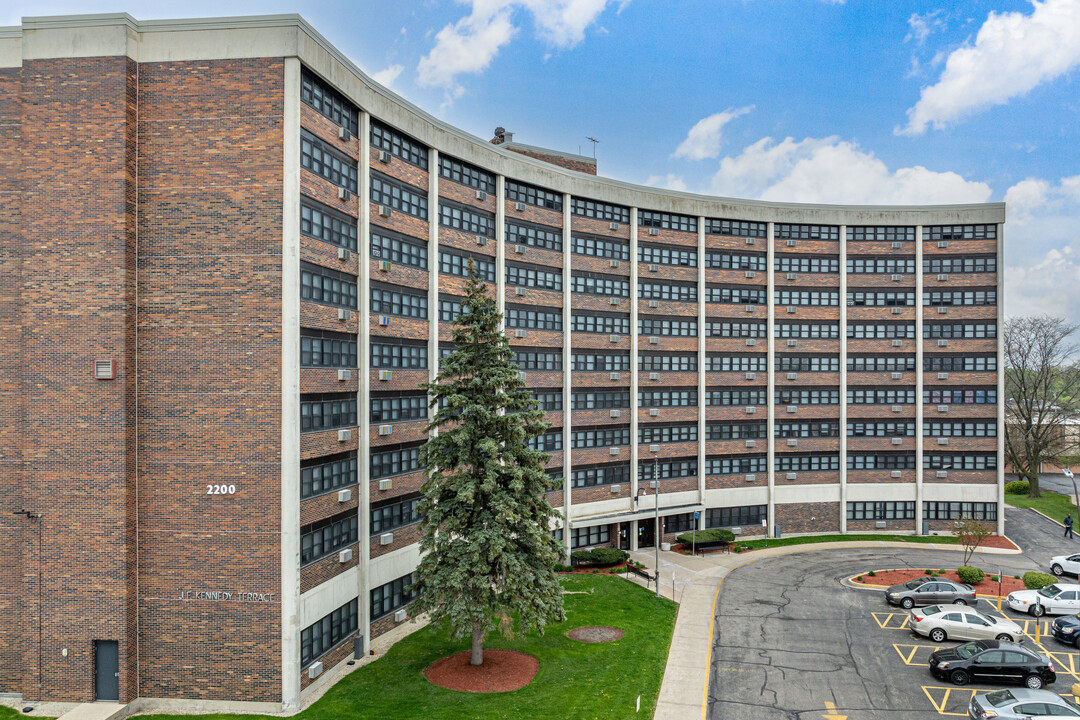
486 544
970 533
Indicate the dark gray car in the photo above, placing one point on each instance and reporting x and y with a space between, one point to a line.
930 591
1021 704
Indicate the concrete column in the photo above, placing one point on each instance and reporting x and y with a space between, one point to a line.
567 359
500 247
843 378
702 407
919 343
1001 378
770 368
634 370
433 265
363 454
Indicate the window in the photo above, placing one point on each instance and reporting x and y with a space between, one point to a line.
536 236
550 441
667 398
734 261
583 537
881 461
531 360
718 398
882 363
327 287
328 102
322 348
786 296
735 228
398 408
548 401
678 292
883 266
881 233
965 363
398 513
736 464
666 255
667 221
399 145
327 474
960 331
532 195
600 475
599 210
584 400
610 362
321 636
326 162
679 523
881 510
880 429
735 516
328 536
398 195
807 363
392 596
462 172
806 264
599 284
534 277
453 263
400 249
870 298
519 316
667 469
735 295
960 232
881 331
398 354
396 461
385 301
956 510
327 411
808 396
808 331
669 327
450 310
806 232
807 463
735 363
607 324
601 437
598 247
952 265
736 431
960 429
658 434
655 362
472 221
806 430
961 396
322 223
736 329
881 396
959 297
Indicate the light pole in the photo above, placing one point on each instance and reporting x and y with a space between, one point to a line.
656 504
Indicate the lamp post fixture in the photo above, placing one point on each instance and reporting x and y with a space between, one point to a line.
656 527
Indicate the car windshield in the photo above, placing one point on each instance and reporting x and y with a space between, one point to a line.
931 610
999 698
914 583
967 650
1050 591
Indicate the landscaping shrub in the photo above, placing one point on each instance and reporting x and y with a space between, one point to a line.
1017 487
581 556
860 578
969 575
703 536
1037 580
993 578
608 556
928 572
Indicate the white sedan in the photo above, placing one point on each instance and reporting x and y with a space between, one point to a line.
1058 599
950 622
1065 564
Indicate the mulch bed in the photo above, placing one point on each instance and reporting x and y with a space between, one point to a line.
502 671
595 569
595 634
986 587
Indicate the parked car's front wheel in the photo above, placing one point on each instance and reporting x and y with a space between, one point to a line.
1057 570
907 603
938 635
959 677
1006 637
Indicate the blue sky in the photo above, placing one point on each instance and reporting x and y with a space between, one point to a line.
861 101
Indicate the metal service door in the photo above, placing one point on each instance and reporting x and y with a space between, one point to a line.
106 670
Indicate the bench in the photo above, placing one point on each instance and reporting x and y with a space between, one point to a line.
639 572
710 545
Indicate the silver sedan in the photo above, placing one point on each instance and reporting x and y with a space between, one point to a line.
948 622
1021 704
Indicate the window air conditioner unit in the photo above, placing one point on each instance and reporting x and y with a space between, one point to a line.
519 249
793 376
344 134
897 376
789 276
481 240
384 320
897 408
898 441
897 245
897 343
750 274
751 341
897 278
343 193
751 443
519 206
343 375
521 376
943 343
654 412
104 369
654 231
736 531
519 291
942 310
792 408
749 308
654 340
792 342
792 243
343 254
943 376
879 524
615 489
654 376
942 474
653 267
613 263
751 410
792 476
792 442
344 495
897 311
613 338
384 156
943 441
791 308
387 484
751 376
344 435
613 226
943 408
386 538
654 448
750 478
614 376
345 555
943 276
896 473
613 451
401 615
943 243
615 413
481 195
386 429
315 670
385 211
613 301
654 303
385 375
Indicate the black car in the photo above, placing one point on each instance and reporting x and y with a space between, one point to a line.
992 661
1066 629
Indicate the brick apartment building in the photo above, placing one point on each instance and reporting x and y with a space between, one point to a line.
227 257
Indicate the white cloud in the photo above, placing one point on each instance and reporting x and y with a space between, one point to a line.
387 76
1024 197
703 140
830 170
922 26
668 182
1012 54
1049 285
470 44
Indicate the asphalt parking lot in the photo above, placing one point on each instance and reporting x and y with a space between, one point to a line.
792 642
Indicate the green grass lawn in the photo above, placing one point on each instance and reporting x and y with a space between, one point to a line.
575 680
939 539
7 713
1051 504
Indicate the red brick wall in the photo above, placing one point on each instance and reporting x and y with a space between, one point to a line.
796 518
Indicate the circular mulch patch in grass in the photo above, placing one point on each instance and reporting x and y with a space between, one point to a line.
502 671
595 634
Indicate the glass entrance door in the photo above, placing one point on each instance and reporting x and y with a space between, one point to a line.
645 536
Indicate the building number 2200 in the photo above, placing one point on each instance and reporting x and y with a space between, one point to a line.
220 489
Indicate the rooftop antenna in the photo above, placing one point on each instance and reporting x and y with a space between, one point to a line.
593 141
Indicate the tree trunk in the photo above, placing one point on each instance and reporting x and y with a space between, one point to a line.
1033 483
477 643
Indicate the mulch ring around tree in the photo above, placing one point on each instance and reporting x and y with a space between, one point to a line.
502 671
595 634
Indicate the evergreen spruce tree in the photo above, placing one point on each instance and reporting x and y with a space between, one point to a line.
486 544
